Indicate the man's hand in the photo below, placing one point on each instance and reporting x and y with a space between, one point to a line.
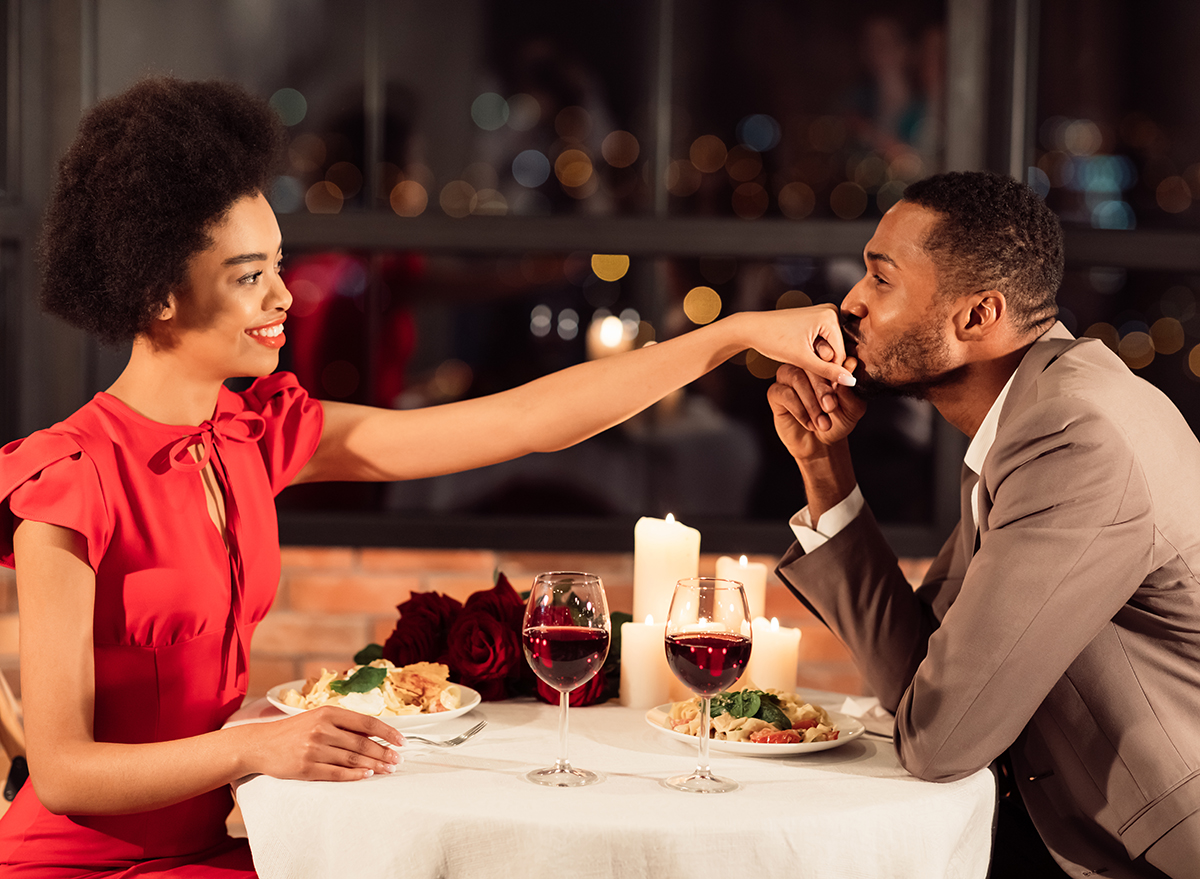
796 395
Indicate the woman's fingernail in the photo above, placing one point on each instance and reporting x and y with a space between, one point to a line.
847 379
367 773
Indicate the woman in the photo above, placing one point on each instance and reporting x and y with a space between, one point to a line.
143 527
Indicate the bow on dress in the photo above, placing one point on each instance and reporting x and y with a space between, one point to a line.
242 427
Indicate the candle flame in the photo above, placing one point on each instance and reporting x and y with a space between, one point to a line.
649 619
774 624
670 517
744 561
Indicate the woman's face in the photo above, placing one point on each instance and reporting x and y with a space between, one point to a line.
228 319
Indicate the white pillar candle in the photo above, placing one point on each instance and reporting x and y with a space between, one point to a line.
774 656
752 575
664 551
645 676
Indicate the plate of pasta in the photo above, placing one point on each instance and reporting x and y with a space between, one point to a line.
758 723
404 697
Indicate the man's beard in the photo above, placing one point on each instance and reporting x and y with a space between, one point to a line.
922 358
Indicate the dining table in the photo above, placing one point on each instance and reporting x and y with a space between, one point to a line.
468 811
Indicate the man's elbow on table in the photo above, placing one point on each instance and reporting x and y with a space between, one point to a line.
940 765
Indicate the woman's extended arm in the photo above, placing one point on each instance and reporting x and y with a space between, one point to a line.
74 774
560 409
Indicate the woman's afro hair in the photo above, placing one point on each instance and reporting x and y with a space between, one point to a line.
150 171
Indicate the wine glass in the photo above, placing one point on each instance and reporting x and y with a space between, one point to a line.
565 635
708 646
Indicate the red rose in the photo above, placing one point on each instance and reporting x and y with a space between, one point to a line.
421 633
587 693
483 651
501 601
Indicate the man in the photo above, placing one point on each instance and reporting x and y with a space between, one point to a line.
1059 627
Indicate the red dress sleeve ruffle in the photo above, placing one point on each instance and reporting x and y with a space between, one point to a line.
294 422
47 477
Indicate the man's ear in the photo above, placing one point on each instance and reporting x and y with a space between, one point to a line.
980 314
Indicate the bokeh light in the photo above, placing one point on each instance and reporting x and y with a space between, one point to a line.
568 324
307 153
489 203
457 199
1136 349
1173 195
573 123
539 320
323 197
1194 362
1167 334
452 378
524 112
759 132
708 153
750 201
797 200
531 169
573 168
848 200
702 305
683 178
743 164
408 198
761 366
793 299
890 193
620 149
346 177
306 296
291 106
286 195
489 111
1105 332
610 266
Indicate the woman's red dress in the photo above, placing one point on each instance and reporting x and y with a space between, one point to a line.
175 608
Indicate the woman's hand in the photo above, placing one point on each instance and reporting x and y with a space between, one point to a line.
808 338
324 744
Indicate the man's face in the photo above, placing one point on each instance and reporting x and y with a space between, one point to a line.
896 323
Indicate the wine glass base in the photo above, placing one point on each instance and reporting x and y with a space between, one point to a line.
702 783
554 776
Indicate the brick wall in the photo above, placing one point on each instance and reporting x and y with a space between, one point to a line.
334 600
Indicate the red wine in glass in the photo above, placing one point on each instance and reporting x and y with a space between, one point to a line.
707 663
565 656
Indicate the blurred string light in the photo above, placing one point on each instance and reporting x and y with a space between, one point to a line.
489 111
457 199
568 324
610 266
793 299
1173 195
524 112
683 178
573 168
539 320
620 149
408 198
797 200
759 132
531 168
702 305
631 322
1167 335
848 200
743 164
761 366
1194 362
291 106
750 201
708 153
323 197
490 203
346 177
1137 349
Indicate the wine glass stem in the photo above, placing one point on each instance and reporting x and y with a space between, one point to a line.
705 723
562 763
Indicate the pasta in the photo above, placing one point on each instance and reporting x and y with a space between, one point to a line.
420 688
809 723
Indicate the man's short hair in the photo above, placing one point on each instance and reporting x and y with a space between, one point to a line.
994 234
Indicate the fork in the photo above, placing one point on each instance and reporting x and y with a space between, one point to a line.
446 743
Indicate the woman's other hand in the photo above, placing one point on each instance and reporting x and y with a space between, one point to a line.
324 744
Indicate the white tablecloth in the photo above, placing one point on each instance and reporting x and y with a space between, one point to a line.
850 811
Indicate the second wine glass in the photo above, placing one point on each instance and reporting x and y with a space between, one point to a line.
708 646
565 635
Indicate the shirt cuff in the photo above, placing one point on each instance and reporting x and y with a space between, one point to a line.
835 519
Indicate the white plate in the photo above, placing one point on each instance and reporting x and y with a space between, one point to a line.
470 698
849 729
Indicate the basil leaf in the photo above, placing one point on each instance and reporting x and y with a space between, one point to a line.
772 713
362 681
368 654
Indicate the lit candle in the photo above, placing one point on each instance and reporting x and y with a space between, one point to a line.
752 575
645 676
774 657
664 551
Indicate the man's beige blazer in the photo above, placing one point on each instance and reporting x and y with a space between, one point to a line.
1066 630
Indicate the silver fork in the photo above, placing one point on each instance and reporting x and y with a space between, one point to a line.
445 743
